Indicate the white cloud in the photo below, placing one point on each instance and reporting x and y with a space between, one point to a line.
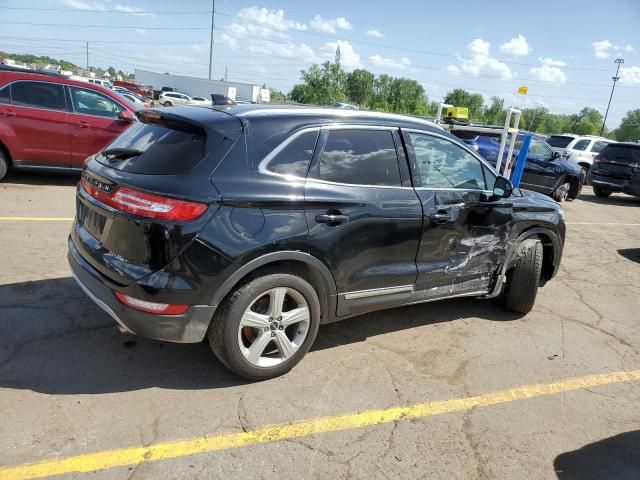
479 46
480 62
140 31
199 47
263 22
384 62
88 5
516 47
177 59
326 25
140 12
349 58
630 75
601 48
629 48
372 32
548 71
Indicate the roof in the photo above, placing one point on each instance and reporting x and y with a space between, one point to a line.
325 114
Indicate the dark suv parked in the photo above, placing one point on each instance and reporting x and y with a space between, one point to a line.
253 225
616 169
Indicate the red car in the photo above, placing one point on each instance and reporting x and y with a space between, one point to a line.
143 90
51 122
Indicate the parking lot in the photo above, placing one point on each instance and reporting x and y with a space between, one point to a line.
484 394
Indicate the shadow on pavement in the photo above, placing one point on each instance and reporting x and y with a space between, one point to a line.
618 199
19 177
614 458
632 254
54 340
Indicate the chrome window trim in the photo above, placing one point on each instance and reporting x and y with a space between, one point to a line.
374 292
262 166
62 85
465 148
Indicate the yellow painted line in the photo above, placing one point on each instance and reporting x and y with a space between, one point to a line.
181 448
36 219
605 223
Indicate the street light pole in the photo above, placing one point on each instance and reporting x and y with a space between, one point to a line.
213 12
615 78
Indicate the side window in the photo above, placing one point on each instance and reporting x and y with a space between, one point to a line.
38 94
4 94
443 164
88 102
597 147
581 144
539 148
295 157
360 157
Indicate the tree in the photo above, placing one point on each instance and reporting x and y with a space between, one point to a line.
629 129
461 98
587 122
494 114
323 85
359 86
112 71
406 96
277 96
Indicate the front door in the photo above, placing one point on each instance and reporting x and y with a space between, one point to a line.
95 123
541 169
363 222
465 233
38 119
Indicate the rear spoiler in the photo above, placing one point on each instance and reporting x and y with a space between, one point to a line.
194 120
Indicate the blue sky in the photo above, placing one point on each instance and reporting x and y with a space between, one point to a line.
563 51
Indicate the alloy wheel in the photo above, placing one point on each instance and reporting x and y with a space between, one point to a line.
274 327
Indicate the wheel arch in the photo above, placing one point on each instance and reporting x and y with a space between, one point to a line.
296 262
4 149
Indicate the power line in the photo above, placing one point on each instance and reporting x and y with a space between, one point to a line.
136 12
82 40
382 45
143 27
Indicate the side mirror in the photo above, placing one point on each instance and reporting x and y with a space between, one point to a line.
502 188
126 116
555 155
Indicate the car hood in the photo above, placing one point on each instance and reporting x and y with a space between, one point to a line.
533 198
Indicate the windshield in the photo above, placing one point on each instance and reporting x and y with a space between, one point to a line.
559 141
621 153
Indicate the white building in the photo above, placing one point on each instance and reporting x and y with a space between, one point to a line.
202 87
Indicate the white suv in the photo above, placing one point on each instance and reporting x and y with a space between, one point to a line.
580 149
169 99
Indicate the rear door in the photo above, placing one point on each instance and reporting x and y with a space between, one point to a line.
464 235
364 218
95 122
38 119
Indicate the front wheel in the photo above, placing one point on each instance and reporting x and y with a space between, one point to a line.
266 326
167 104
4 165
561 193
600 193
523 278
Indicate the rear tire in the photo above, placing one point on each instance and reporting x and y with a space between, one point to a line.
523 279
561 193
245 323
168 104
600 193
4 164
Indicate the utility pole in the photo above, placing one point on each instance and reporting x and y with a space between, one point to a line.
213 12
225 73
87 56
615 78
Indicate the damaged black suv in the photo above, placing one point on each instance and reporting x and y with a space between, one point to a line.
252 225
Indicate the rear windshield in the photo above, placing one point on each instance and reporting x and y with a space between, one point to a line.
559 141
163 151
621 153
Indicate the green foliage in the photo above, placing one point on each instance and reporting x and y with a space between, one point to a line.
38 60
629 129
277 96
473 101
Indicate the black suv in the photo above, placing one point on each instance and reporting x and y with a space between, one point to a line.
252 225
616 169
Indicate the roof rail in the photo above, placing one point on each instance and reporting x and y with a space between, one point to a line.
10 68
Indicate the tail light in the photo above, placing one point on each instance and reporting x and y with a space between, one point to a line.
151 307
147 205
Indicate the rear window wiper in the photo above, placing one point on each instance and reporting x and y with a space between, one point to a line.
122 153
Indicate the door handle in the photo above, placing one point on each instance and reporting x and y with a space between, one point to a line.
440 217
332 219
83 125
9 113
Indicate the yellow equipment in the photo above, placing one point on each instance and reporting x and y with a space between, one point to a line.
457 113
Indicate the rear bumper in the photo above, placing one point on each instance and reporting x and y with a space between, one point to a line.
630 186
190 327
